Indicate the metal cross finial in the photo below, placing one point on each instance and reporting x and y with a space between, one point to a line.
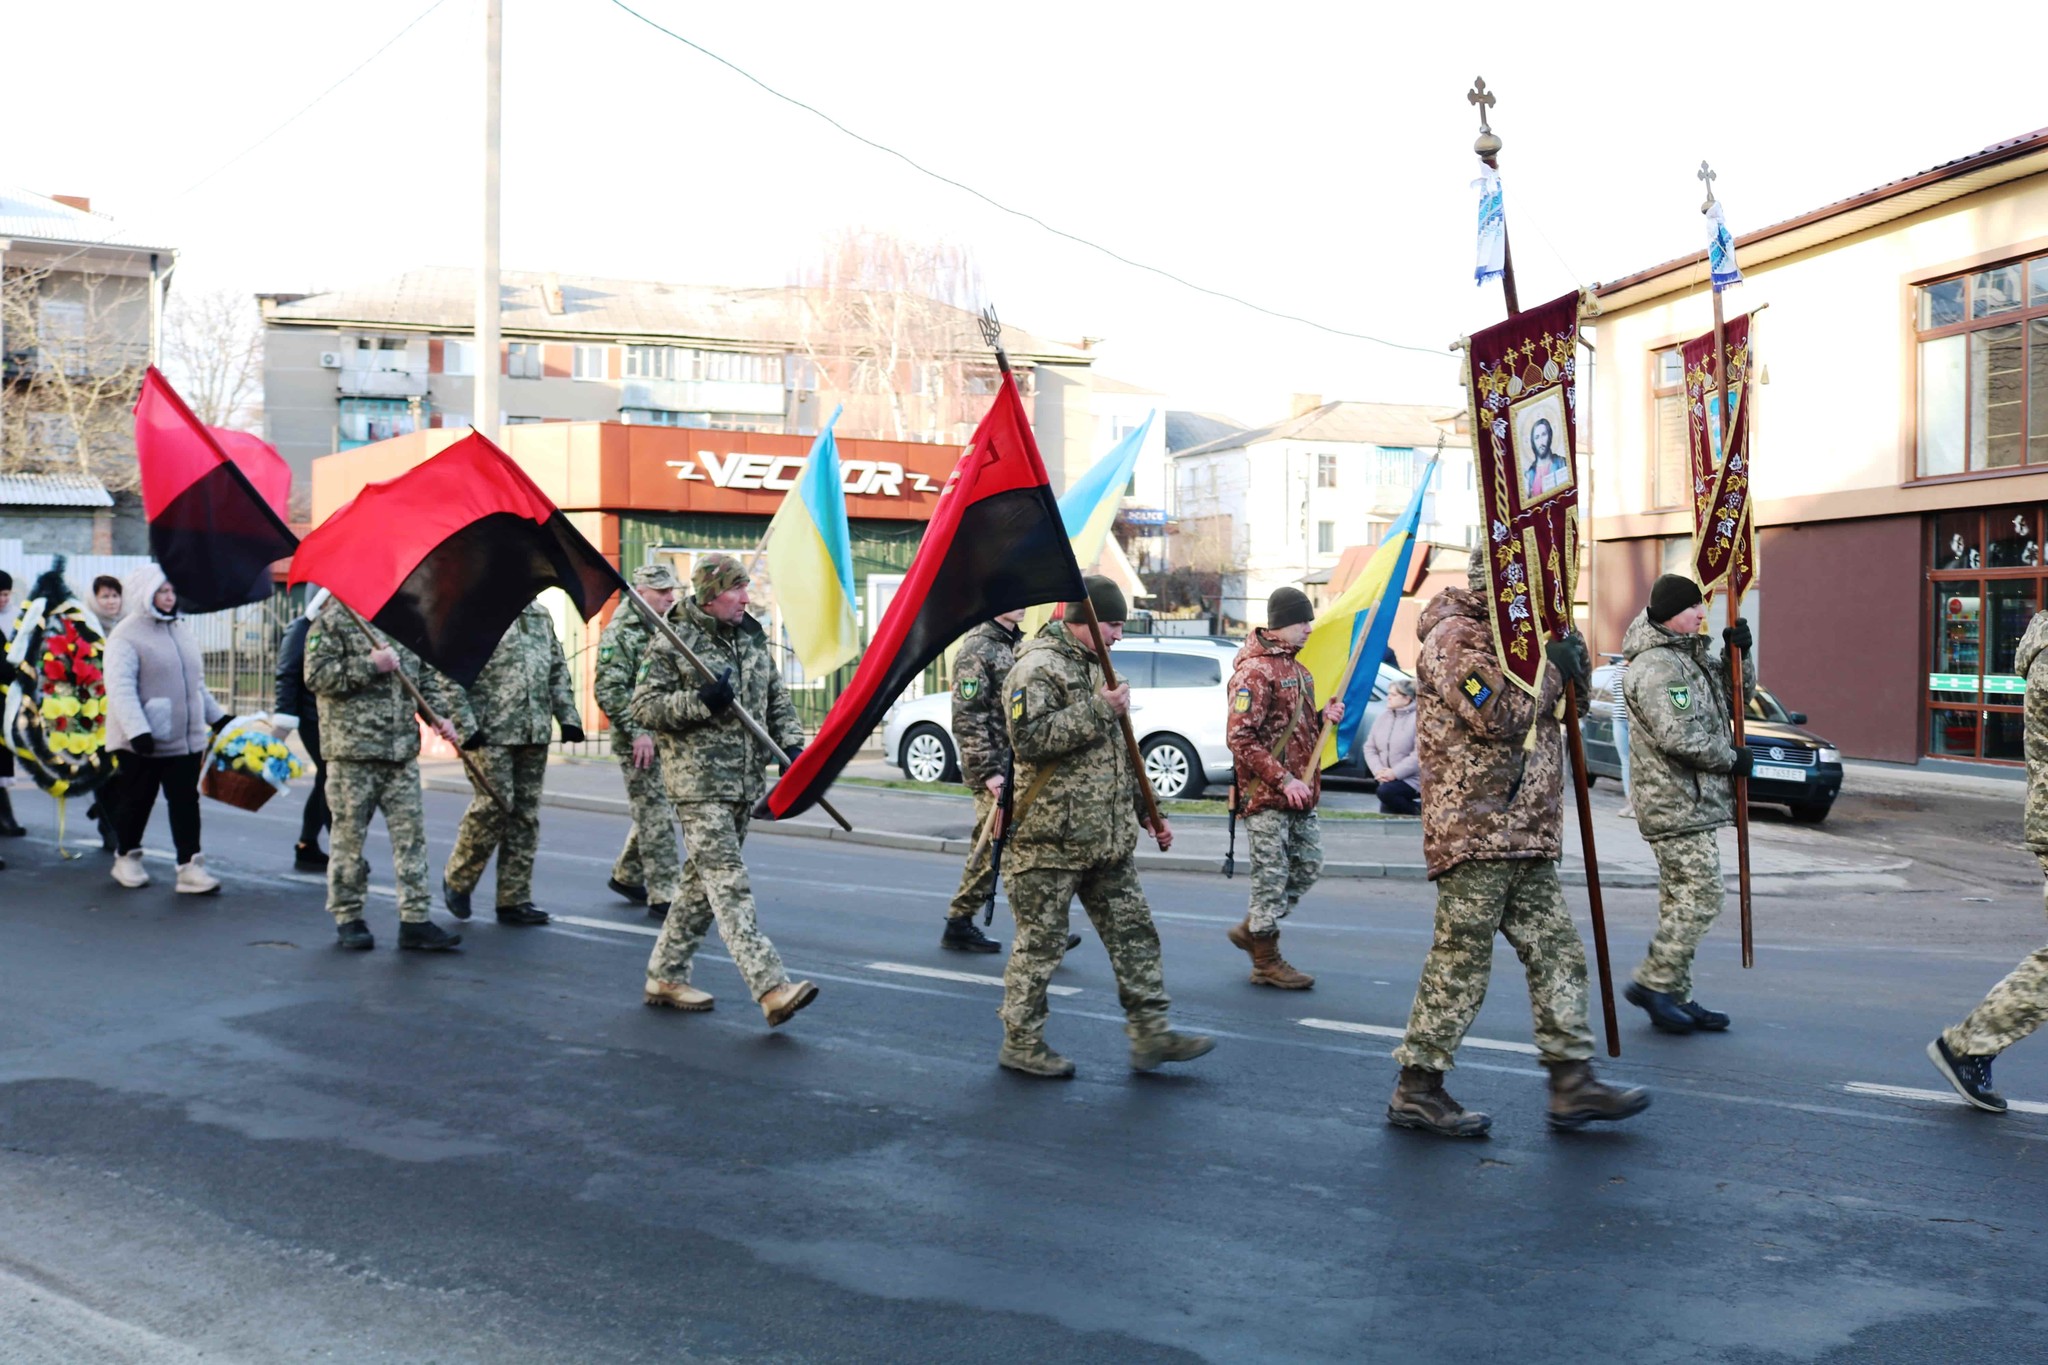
1487 145
1707 177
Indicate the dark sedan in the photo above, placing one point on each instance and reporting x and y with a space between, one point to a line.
1795 768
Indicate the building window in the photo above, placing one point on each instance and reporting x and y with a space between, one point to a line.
653 362
524 421
1983 370
590 362
1670 456
364 420
1394 466
522 360
1326 537
458 358
1326 471
1985 582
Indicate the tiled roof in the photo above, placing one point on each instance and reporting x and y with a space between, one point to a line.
53 490
1381 424
24 213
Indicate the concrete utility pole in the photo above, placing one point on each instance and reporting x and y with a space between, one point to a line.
488 365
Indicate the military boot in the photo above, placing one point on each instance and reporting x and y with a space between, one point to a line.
658 910
456 901
676 995
780 1005
965 936
1578 1097
426 936
354 935
1667 1013
524 913
1032 1057
1271 969
635 894
1420 1101
1150 1050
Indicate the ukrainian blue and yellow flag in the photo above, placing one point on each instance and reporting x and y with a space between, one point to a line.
810 560
1367 608
1089 508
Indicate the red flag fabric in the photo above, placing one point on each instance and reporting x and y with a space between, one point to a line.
260 464
213 532
443 557
995 544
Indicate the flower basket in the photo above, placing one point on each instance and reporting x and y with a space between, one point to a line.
244 791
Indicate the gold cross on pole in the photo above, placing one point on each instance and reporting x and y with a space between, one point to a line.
1707 177
1487 145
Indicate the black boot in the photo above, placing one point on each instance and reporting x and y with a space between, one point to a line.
456 901
526 912
354 935
963 935
308 858
426 936
658 910
1704 1019
1666 1011
1073 942
635 894
9 826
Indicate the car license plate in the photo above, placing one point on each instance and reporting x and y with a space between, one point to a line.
1770 772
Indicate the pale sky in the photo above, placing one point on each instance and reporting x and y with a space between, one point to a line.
1315 158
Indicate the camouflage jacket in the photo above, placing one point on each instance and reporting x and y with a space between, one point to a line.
706 757
1681 741
365 714
1270 690
985 658
523 688
619 652
2031 663
1469 727
1086 813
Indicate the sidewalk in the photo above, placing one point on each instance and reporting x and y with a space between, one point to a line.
1784 858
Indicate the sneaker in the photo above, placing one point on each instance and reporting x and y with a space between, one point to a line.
308 858
963 935
1628 812
194 879
426 936
456 901
676 995
635 894
129 871
1971 1076
526 912
354 935
780 1005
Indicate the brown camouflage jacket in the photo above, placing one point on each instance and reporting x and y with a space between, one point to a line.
1469 728
1682 738
1086 813
985 658
2031 663
1270 690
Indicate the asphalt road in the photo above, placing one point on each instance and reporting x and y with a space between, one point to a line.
221 1140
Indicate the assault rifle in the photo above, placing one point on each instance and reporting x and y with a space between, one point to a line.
999 827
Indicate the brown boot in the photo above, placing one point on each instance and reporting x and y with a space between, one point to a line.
1578 1097
780 1005
1420 1101
1271 969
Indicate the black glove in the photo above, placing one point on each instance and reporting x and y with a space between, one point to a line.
474 742
572 734
1737 636
1742 761
792 750
1568 656
220 725
717 694
145 745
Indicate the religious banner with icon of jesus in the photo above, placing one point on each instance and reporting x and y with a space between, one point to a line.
1522 384
1722 537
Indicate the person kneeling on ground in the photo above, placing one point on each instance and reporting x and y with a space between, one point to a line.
1390 752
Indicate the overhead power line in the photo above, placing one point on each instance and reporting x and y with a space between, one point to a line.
1028 217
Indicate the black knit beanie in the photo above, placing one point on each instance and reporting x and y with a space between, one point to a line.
1288 607
1107 598
1672 594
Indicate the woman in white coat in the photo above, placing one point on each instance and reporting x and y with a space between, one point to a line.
160 722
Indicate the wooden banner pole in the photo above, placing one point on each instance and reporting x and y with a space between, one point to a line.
419 700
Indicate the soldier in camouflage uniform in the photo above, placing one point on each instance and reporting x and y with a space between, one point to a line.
2017 1005
1077 810
984 660
1683 762
648 869
1272 731
370 741
508 715
1491 825
713 771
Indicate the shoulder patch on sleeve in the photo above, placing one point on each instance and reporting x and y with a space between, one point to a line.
312 638
1476 691
1681 697
1016 703
604 654
1242 700
969 688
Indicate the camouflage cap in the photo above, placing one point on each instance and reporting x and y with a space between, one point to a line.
1475 572
659 577
715 574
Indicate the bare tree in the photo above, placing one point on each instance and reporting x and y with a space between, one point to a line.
76 344
888 327
213 355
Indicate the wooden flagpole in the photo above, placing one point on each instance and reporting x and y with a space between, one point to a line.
1736 699
419 700
1487 147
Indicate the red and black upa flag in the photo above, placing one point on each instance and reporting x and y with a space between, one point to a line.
445 556
213 532
995 544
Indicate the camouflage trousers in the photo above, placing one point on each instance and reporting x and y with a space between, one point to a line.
356 790
514 772
1110 893
977 879
649 858
1287 857
1689 897
2014 1008
1522 900
714 886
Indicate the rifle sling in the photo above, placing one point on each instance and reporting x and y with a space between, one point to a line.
1247 788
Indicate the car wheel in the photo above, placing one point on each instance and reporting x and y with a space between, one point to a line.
1812 812
1172 768
928 756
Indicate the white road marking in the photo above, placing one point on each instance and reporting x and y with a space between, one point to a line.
1907 1092
941 974
1383 1031
612 924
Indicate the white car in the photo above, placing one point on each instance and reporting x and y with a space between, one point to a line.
1180 700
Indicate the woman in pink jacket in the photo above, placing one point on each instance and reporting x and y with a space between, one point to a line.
1390 752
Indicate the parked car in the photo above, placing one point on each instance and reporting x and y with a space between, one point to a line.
1795 768
1180 699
